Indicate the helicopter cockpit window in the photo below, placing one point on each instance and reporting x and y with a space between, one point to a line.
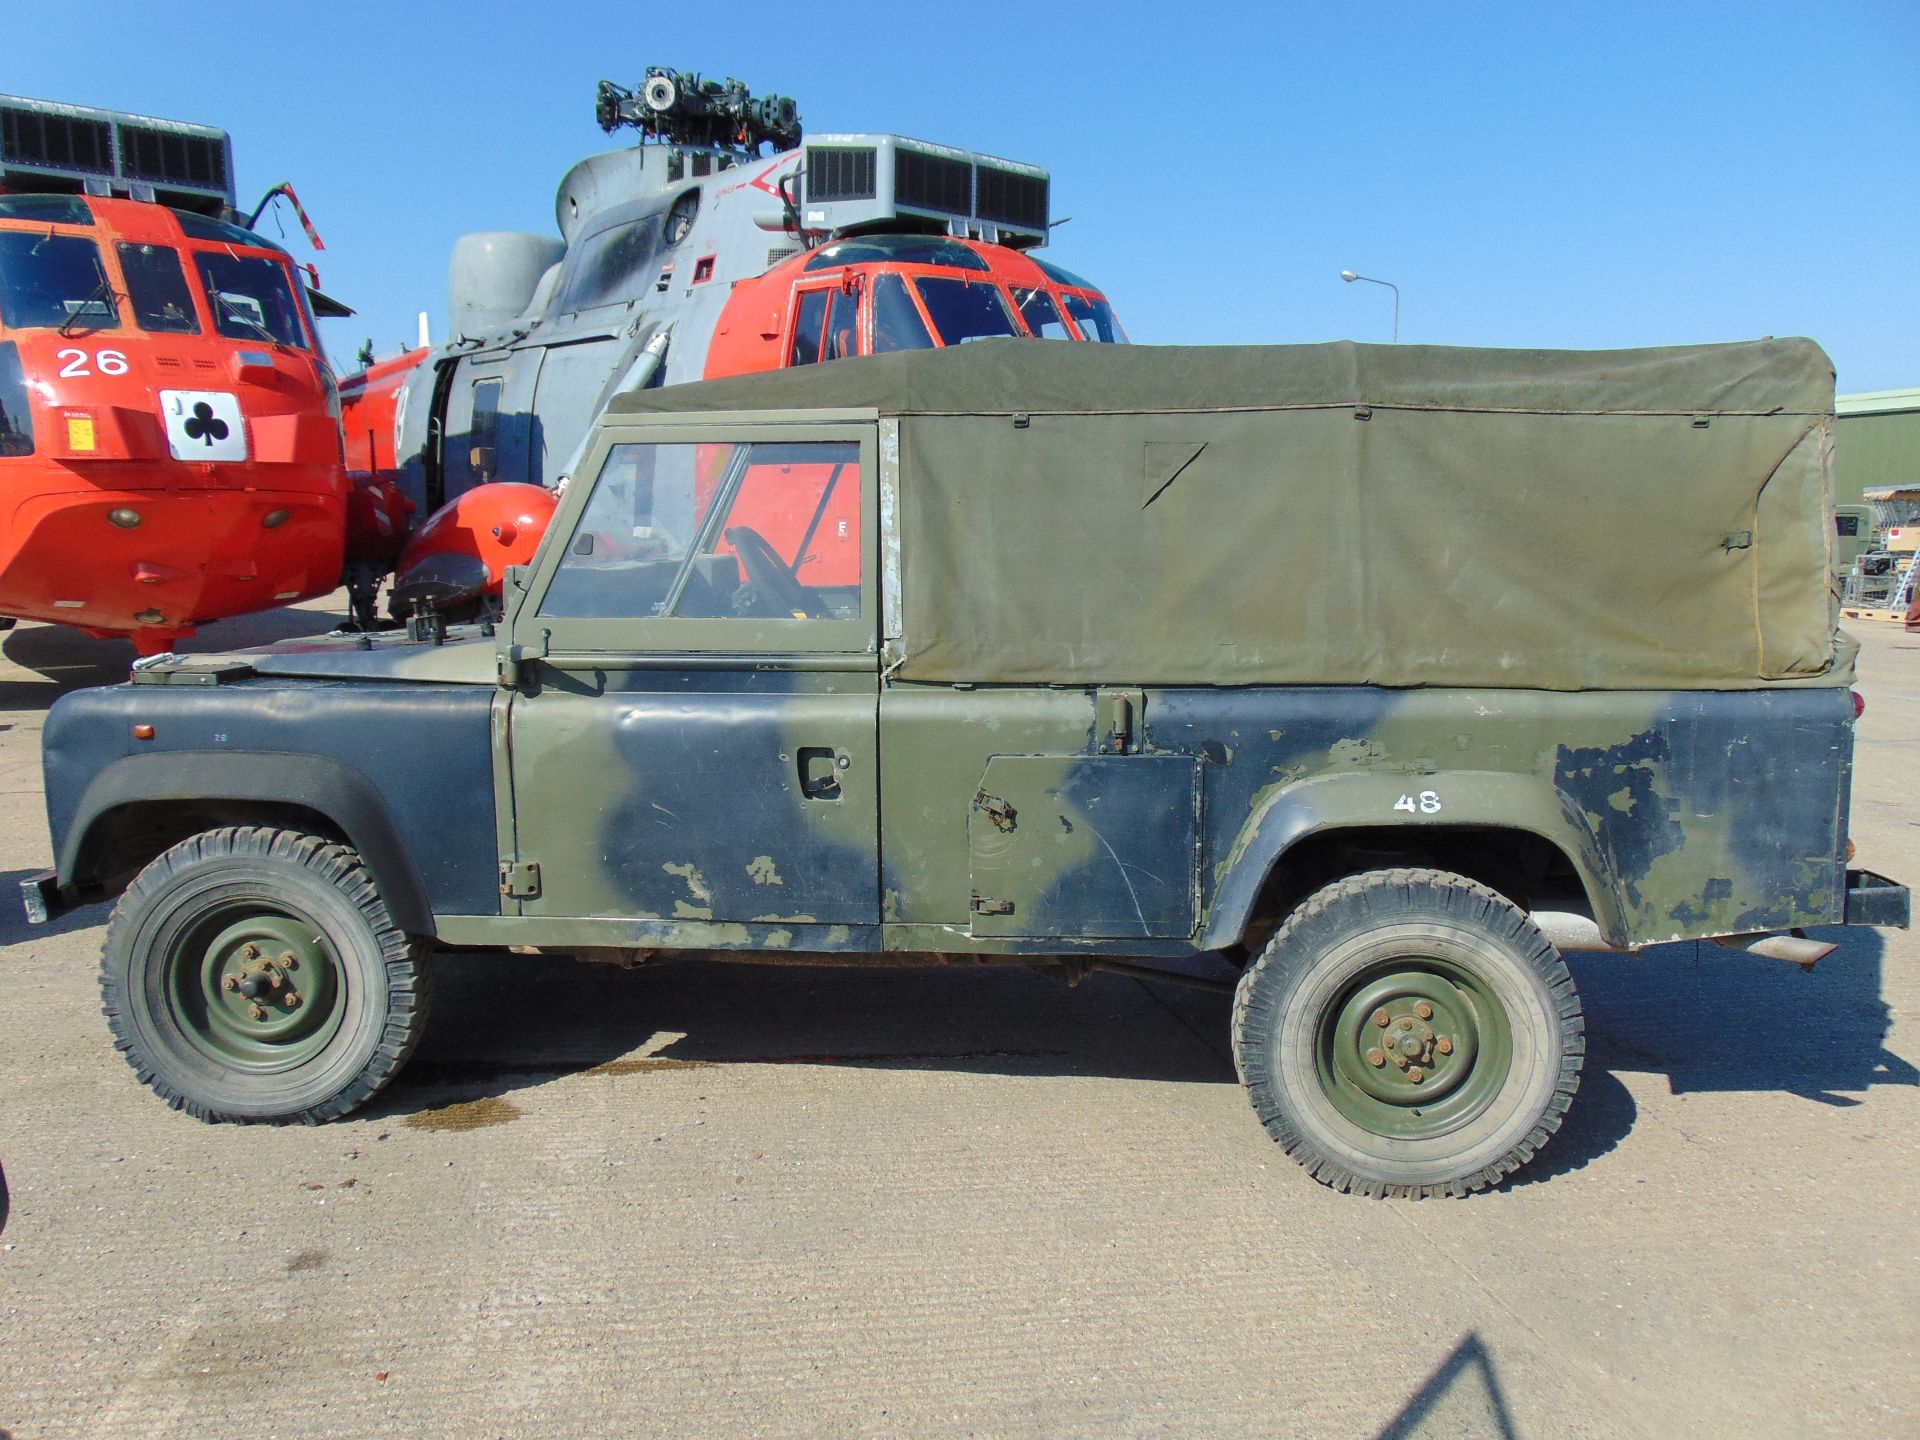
54 282
900 249
964 310
896 323
49 209
1041 314
162 303
809 323
716 531
251 298
1095 319
612 266
843 326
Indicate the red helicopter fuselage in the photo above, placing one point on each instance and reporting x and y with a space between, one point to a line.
170 448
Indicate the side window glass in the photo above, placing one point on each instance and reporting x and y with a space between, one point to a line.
809 322
483 455
843 326
251 297
762 530
1040 313
162 303
896 324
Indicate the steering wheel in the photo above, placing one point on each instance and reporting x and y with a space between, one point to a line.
770 577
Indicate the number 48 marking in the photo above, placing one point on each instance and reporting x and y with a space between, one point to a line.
1427 804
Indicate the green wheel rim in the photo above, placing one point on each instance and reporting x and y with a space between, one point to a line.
256 988
1439 1060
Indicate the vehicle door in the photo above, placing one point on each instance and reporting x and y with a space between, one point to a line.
693 733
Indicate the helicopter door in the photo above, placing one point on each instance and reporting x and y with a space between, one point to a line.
470 451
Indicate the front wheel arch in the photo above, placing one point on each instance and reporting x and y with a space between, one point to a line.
140 805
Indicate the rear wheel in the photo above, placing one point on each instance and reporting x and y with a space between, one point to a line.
1409 1032
256 975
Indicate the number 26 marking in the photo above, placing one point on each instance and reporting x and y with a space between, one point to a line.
1427 804
111 362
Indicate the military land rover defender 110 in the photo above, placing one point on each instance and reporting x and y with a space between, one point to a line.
1072 656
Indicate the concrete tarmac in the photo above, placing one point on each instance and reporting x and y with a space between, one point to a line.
730 1200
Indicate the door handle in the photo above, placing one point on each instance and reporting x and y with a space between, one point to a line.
820 768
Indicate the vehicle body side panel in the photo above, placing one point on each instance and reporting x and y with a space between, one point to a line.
405 770
1687 814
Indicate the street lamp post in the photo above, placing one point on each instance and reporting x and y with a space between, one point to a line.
1350 277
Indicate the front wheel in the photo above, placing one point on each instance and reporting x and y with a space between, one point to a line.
1409 1032
256 975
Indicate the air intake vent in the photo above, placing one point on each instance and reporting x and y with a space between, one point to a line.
1009 197
169 158
840 173
781 252
933 182
57 142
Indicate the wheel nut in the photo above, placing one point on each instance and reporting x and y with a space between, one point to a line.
1376 1058
1423 1010
252 952
1382 1019
1444 1044
292 997
230 983
259 1012
1416 1074
1401 1061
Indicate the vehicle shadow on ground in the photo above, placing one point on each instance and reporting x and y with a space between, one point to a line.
68 660
1715 1019
506 1023
14 928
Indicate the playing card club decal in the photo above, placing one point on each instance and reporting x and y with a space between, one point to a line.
203 425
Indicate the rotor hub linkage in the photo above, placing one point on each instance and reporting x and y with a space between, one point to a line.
680 108
265 980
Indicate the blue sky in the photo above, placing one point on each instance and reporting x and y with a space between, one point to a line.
1555 174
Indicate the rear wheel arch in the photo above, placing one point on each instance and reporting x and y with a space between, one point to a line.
1488 826
138 807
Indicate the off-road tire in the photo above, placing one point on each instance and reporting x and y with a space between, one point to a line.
1354 939
163 992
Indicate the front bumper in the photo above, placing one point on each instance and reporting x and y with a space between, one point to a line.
1875 900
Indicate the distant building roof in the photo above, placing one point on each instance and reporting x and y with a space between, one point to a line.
1877 402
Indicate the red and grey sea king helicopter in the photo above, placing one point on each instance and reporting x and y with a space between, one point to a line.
169 429
174 448
689 255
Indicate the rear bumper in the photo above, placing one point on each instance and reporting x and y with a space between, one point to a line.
1875 900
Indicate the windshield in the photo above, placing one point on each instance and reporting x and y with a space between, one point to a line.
251 298
964 310
1095 319
609 266
53 281
162 304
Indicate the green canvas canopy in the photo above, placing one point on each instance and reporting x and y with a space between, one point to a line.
1346 514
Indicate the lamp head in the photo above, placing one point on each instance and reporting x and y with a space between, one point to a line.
1348 276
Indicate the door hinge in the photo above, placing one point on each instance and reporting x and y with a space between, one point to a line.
520 879
982 905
